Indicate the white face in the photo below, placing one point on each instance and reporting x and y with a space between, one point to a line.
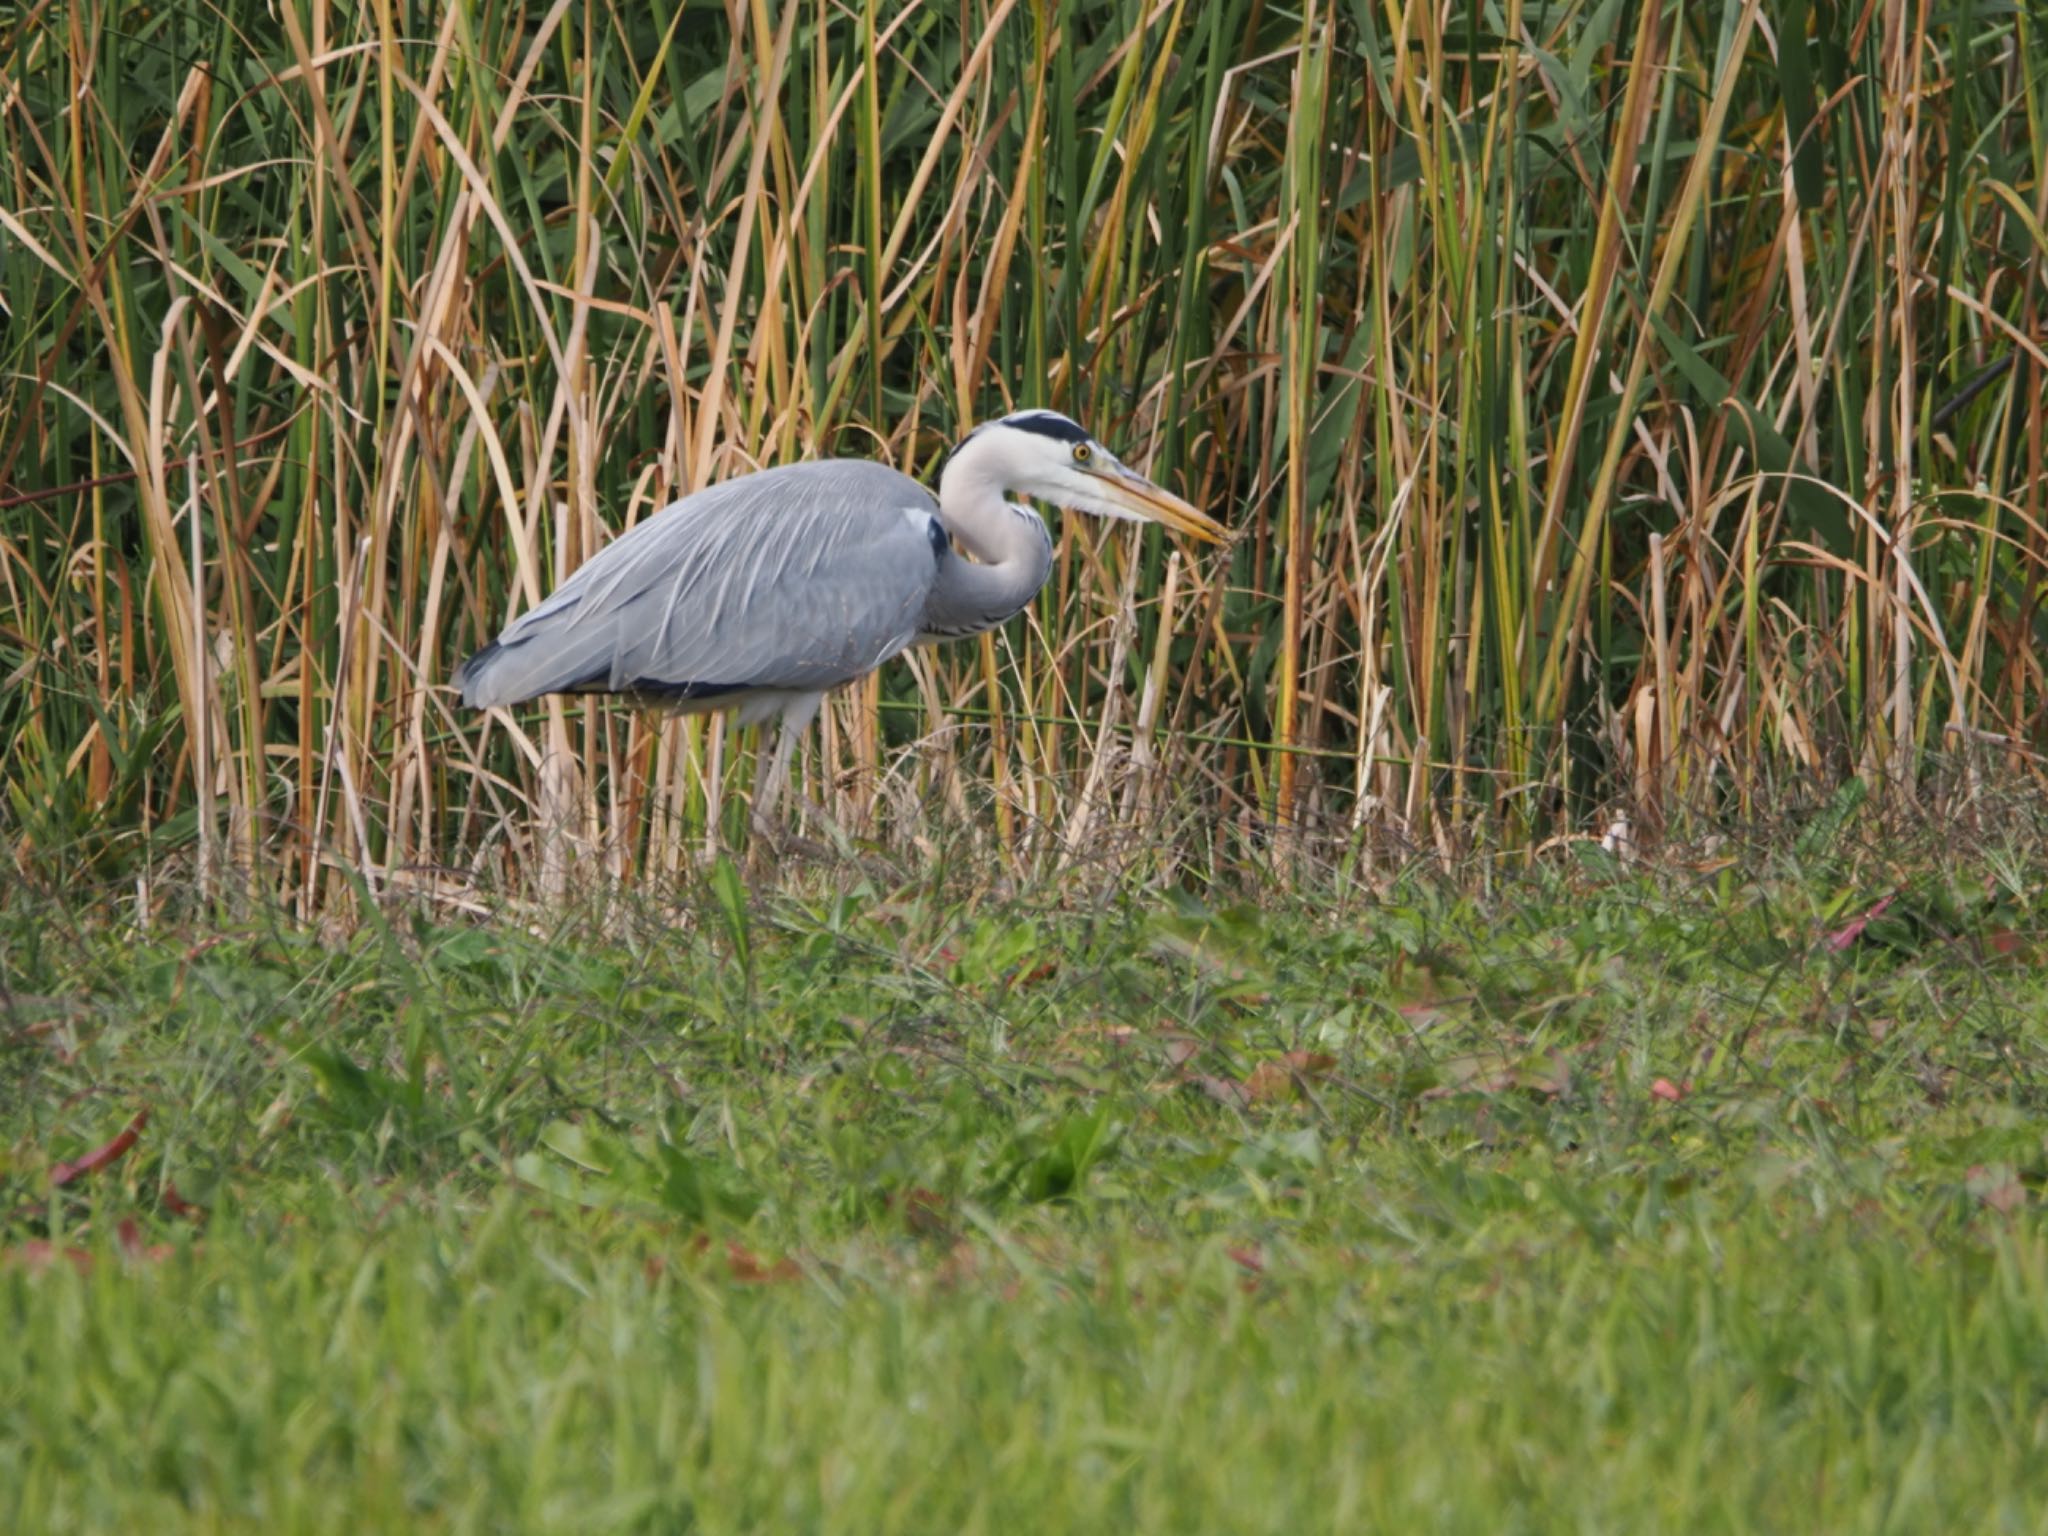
1043 454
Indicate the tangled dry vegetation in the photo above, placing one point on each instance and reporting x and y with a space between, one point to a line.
1633 407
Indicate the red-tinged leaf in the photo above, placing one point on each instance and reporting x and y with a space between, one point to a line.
128 1236
1043 971
924 1212
2004 942
38 1255
1997 1186
178 1205
1665 1089
1248 1258
748 1269
132 1248
99 1157
1851 931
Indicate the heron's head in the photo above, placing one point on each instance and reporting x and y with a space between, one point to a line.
1044 455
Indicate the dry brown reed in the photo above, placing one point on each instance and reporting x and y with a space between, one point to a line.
1622 406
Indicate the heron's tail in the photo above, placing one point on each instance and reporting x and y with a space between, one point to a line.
500 674
471 678
513 669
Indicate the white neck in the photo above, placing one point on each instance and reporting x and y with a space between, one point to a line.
1011 545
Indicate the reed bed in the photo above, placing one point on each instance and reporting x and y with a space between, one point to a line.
1624 408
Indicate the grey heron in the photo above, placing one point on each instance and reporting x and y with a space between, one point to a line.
763 593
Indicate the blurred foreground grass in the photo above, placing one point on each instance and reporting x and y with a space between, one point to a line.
1604 1201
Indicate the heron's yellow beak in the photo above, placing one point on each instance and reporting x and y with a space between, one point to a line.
1140 498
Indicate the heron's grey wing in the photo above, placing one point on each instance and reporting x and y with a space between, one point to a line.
801 578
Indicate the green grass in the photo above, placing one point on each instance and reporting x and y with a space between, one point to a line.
902 1210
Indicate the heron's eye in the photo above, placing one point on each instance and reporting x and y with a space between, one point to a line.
1083 453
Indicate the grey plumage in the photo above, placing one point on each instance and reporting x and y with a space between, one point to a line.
795 579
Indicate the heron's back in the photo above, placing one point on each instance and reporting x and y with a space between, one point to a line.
795 578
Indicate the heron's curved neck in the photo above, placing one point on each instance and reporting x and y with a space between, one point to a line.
1011 546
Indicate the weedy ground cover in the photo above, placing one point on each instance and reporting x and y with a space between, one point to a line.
1702 1199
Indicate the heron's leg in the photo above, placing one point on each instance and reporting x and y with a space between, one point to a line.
796 718
768 794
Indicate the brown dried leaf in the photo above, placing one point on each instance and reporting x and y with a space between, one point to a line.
1312 1065
1269 1083
1231 1095
1998 1186
1273 1081
924 1212
748 1268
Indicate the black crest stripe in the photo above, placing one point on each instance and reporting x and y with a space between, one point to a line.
1047 424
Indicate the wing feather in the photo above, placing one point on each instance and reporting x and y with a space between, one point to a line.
802 577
